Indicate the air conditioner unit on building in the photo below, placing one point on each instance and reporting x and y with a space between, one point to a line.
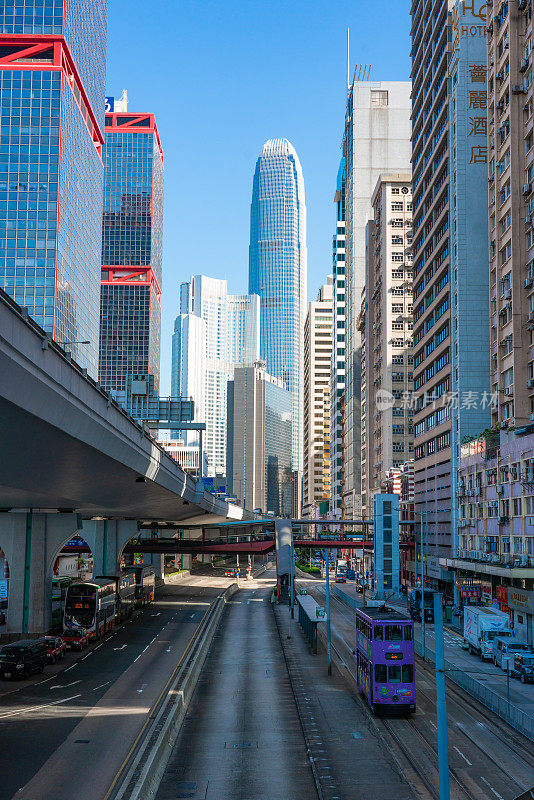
530 384
528 282
523 66
507 294
503 520
499 489
527 188
518 88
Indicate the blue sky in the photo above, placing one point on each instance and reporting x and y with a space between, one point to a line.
222 77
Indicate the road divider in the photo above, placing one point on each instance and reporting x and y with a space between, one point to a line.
142 770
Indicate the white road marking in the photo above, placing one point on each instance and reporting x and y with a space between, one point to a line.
156 615
45 680
490 787
38 708
121 647
65 685
87 656
143 687
168 650
101 686
431 723
138 657
146 648
71 667
99 646
462 755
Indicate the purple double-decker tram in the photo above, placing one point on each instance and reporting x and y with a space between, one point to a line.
385 659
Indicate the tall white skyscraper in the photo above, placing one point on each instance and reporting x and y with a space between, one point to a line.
213 333
376 140
278 272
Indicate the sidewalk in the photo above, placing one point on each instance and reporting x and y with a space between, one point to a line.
346 750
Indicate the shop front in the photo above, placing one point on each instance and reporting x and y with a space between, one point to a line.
521 603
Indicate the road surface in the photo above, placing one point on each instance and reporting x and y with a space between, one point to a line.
65 734
241 739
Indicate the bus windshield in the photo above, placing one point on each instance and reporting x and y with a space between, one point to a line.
80 605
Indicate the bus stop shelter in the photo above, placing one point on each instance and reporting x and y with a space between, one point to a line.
311 614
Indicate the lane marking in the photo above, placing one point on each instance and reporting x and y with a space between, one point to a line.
490 787
99 646
71 667
121 647
65 685
431 723
464 757
156 615
101 686
87 656
38 708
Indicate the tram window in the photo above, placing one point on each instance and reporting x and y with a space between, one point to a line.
393 633
381 673
379 632
407 633
394 673
407 673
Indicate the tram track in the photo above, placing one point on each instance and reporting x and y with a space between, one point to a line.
404 737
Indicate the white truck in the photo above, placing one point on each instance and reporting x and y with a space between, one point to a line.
481 626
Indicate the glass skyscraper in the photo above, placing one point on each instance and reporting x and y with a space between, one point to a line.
52 93
132 237
214 332
278 271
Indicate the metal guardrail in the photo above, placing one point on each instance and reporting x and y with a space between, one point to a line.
513 715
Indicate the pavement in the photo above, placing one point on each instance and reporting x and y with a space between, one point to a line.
487 758
241 738
87 710
494 678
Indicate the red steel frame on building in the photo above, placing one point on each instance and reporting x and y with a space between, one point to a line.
53 47
128 275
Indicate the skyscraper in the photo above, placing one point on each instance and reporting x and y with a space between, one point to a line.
376 140
52 88
278 271
450 256
337 389
132 241
214 332
386 324
259 440
318 330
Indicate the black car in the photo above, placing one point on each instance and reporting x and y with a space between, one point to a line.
23 658
523 667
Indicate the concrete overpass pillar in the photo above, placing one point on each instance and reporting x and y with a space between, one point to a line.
155 560
31 542
283 535
106 538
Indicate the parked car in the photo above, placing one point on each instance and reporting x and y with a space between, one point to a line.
230 573
523 667
21 659
55 648
507 646
75 639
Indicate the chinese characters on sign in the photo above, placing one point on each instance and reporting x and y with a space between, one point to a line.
478 126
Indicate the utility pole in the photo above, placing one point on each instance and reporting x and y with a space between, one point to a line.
441 708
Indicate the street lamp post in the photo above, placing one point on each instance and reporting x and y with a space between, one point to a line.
423 625
328 639
441 707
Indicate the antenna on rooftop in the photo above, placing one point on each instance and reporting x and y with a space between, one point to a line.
348 61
